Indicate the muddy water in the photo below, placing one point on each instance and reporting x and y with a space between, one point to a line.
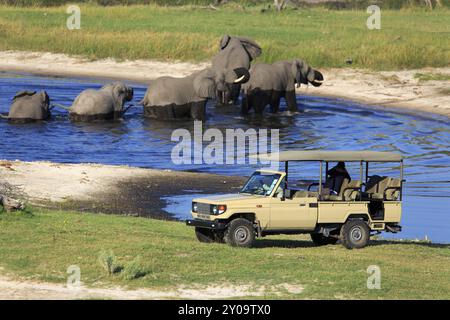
331 124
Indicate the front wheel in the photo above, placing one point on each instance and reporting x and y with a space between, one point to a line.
240 233
204 235
355 234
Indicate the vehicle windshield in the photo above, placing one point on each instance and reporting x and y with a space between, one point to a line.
261 183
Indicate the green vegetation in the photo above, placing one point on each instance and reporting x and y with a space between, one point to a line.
337 4
412 38
41 245
432 76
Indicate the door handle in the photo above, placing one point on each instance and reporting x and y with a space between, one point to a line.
302 204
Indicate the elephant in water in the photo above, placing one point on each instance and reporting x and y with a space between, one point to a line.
29 106
170 98
104 104
270 82
234 53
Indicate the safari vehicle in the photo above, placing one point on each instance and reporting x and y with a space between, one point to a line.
270 204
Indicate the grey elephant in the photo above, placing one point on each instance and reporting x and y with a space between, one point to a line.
104 104
29 106
169 98
234 53
270 82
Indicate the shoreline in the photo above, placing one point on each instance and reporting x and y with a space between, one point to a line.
398 90
101 188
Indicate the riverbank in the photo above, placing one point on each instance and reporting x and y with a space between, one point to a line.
421 90
156 259
105 189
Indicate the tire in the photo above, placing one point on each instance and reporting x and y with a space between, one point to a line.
240 233
320 240
355 234
204 235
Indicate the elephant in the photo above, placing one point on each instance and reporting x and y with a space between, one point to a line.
28 106
270 82
104 104
234 53
169 98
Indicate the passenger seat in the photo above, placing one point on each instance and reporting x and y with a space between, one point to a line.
376 186
392 191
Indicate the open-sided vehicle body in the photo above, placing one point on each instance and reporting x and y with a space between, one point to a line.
269 203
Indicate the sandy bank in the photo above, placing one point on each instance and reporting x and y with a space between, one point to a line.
104 188
395 89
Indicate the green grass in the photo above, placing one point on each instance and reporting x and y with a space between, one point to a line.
432 76
409 38
160 254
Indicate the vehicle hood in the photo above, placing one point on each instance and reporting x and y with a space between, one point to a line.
227 198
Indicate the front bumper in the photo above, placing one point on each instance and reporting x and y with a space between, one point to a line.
215 225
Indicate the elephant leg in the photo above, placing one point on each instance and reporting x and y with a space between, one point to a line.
235 90
198 110
275 102
291 100
245 107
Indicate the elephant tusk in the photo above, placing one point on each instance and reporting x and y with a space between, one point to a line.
3 116
239 79
318 81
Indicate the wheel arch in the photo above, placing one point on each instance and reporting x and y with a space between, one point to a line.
358 216
250 216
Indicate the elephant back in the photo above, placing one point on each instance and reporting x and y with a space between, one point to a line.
29 105
169 90
92 102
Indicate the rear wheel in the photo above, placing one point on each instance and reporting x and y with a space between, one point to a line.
320 240
355 234
240 233
204 235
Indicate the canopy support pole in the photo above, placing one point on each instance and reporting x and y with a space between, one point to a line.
320 180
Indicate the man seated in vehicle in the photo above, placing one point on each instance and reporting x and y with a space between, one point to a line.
335 177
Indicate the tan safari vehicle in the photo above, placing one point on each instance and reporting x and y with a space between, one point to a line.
331 209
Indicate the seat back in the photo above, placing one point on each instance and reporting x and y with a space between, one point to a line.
376 184
391 193
352 190
343 186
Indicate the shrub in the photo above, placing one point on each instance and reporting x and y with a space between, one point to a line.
135 269
108 261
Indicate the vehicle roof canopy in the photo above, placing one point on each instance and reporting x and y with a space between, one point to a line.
348 156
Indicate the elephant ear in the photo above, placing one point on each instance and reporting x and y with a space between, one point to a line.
252 48
224 41
23 93
120 92
204 85
300 71
45 98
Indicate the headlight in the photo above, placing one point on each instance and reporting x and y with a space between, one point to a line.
194 207
218 209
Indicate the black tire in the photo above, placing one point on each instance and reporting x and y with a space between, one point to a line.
355 234
320 240
240 233
204 235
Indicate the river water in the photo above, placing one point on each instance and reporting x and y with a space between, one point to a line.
329 124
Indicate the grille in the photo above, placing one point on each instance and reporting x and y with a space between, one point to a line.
203 208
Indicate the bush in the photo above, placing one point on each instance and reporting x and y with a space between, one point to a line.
135 269
108 261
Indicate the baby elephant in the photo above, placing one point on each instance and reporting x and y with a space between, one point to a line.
270 82
169 98
29 106
104 104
